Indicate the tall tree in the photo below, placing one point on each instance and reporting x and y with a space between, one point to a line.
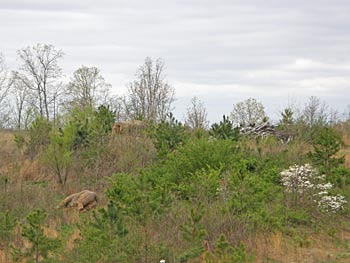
40 72
149 96
315 112
196 115
4 90
248 112
21 110
88 88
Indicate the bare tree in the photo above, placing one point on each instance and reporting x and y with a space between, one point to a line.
248 112
346 113
40 72
117 105
88 87
4 91
22 111
150 97
196 115
315 112
334 117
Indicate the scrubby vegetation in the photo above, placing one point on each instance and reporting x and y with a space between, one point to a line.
183 193
166 192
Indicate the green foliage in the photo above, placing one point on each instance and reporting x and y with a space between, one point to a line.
58 155
103 238
226 253
39 135
340 177
125 194
138 197
90 130
98 130
202 185
224 130
193 233
200 154
174 207
250 193
7 223
19 141
80 119
41 245
169 134
294 217
110 220
102 123
326 143
180 173
287 117
248 112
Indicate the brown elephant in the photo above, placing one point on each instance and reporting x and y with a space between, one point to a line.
84 200
128 127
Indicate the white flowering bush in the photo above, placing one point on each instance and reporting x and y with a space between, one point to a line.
298 179
331 203
302 185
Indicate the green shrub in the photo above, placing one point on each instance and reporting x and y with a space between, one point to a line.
7 223
168 135
340 177
58 156
39 136
201 154
226 253
326 142
193 233
103 238
41 245
224 130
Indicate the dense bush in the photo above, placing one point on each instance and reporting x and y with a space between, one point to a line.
224 130
168 135
39 136
41 246
326 143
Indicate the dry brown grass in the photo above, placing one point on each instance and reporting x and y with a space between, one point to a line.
311 248
347 159
33 171
7 143
3 256
127 153
72 240
8 150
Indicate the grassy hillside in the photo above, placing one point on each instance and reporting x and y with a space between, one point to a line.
169 192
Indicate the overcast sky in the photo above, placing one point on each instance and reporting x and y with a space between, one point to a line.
222 51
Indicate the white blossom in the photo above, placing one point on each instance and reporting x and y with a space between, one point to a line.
329 203
303 180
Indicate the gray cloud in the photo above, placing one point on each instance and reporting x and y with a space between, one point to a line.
222 51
